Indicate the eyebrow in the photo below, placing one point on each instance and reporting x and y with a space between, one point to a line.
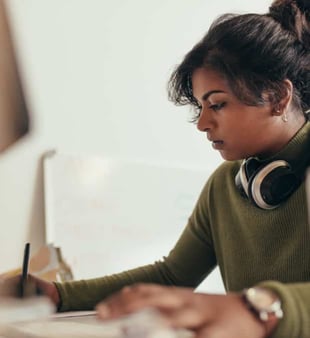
208 94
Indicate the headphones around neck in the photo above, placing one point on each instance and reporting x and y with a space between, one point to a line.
266 185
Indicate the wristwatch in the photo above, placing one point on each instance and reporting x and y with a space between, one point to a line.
264 303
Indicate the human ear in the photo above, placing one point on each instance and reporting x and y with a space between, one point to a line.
282 104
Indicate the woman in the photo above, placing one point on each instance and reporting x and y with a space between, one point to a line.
249 81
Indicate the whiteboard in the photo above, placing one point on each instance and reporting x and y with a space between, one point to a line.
108 215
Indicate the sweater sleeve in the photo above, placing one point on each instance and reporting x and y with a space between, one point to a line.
295 299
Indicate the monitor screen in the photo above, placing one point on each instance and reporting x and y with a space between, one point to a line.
14 118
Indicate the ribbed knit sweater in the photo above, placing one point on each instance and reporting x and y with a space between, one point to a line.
251 246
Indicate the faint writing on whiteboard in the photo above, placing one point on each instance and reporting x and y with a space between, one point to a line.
116 214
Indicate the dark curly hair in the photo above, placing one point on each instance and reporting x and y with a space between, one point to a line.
255 53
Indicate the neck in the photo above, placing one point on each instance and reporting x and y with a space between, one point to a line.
286 133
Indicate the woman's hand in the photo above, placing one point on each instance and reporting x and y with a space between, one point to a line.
10 287
208 315
46 288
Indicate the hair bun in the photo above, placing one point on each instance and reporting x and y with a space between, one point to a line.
290 6
303 5
294 16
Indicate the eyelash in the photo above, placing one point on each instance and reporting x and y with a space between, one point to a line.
198 108
217 107
214 107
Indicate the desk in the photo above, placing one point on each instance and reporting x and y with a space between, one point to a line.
141 325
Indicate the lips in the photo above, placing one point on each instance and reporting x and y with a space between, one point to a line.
217 144
211 139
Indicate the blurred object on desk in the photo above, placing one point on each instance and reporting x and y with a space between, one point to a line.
144 324
47 263
64 272
14 310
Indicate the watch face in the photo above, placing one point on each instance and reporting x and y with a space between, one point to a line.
261 299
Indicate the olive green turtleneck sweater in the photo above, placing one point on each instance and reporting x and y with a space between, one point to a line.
251 246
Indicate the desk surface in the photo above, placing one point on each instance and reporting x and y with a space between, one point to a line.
143 324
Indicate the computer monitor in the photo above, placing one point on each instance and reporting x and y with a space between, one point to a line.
14 117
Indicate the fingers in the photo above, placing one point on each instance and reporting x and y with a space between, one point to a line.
216 316
43 287
186 317
10 287
128 300
136 297
176 304
212 332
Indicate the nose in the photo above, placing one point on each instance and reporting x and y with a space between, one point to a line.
204 121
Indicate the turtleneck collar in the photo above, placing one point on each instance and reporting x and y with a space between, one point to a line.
296 151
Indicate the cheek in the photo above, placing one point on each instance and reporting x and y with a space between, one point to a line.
237 133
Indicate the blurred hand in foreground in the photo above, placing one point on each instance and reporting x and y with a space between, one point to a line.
207 315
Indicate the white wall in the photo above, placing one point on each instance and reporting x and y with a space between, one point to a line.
96 74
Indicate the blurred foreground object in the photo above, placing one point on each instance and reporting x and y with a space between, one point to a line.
14 311
47 263
24 309
14 118
144 324
18 308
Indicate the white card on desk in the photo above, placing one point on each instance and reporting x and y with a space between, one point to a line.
73 314
144 324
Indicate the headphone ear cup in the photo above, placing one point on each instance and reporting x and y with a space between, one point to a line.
247 169
272 184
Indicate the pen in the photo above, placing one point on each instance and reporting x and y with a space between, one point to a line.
25 270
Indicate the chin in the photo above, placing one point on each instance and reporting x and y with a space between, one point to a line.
231 157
